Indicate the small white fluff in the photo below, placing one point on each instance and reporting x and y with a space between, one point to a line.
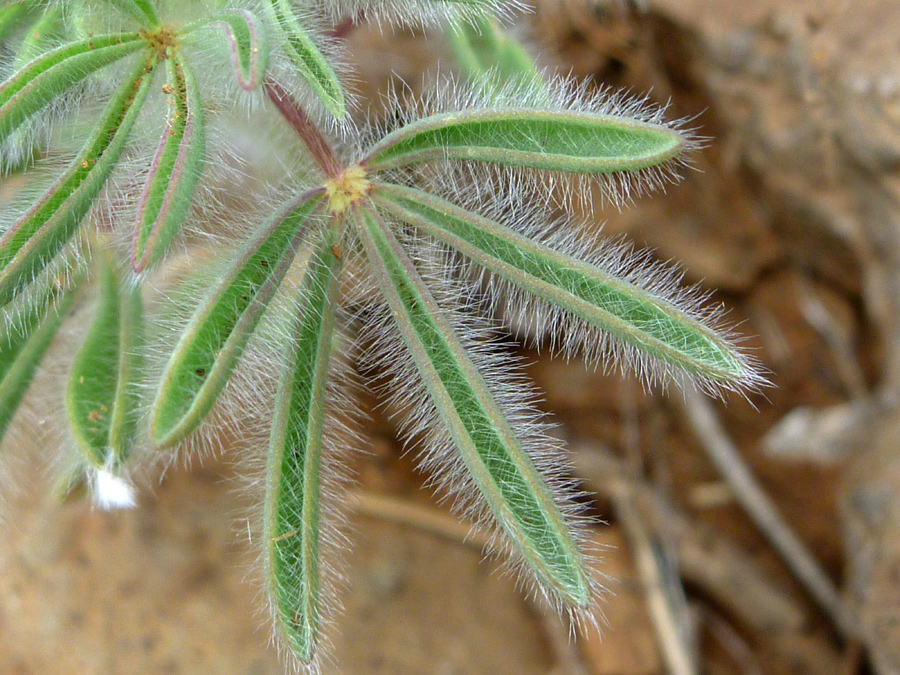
112 492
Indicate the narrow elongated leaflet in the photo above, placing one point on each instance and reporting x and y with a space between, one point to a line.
38 36
216 335
102 396
248 45
23 341
500 467
141 11
307 58
489 58
291 519
11 13
624 310
27 247
45 78
552 140
174 172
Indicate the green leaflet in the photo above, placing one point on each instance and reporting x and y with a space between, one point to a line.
23 340
41 233
11 14
248 46
141 11
552 140
38 36
512 488
488 57
175 170
216 336
102 396
48 76
307 58
622 309
291 530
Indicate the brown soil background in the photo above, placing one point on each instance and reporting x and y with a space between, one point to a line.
794 219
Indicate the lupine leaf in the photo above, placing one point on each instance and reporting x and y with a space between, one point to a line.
291 531
38 36
488 57
48 76
23 340
307 58
552 140
248 46
624 310
29 245
174 172
11 14
495 458
102 395
141 11
216 335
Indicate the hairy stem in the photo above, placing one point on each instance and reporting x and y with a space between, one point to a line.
312 138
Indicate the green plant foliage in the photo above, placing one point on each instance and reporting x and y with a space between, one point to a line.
49 76
248 45
218 332
175 169
486 55
538 139
383 237
292 516
42 232
308 58
26 335
102 398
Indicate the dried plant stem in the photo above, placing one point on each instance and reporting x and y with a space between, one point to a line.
312 138
648 562
753 498
705 559
432 521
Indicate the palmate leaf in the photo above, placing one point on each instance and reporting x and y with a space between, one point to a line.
25 336
552 140
307 58
291 519
498 464
35 239
47 77
176 168
624 310
248 45
102 395
216 335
